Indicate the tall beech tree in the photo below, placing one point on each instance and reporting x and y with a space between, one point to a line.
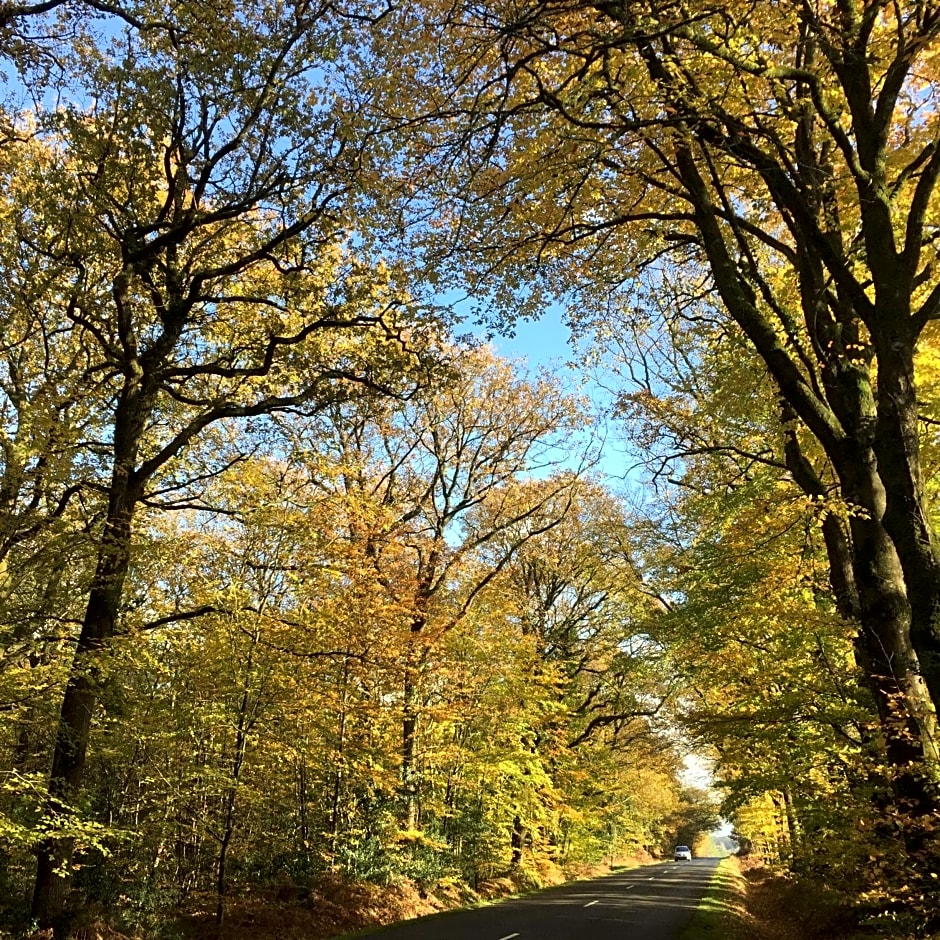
580 602
588 611
193 202
420 473
788 151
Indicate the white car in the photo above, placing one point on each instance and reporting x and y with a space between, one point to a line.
683 853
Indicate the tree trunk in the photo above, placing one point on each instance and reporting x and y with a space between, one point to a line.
133 409
409 774
903 700
242 728
795 827
78 705
303 806
409 783
870 589
905 519
335 808
517 841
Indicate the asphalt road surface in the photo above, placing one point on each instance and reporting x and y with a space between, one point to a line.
650 903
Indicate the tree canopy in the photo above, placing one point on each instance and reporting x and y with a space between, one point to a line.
295 580
778 164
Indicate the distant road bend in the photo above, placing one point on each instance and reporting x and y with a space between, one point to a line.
654 902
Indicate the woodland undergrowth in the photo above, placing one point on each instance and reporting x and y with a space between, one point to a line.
330 907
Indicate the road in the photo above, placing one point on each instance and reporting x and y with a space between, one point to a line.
650 903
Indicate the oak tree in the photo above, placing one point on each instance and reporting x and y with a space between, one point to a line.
783 159
187 229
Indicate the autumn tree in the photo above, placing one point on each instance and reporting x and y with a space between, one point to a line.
576 596
293 593
766 663
181 220
784 161
418 474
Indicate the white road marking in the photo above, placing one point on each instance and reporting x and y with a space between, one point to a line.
590 903
509 936
629 886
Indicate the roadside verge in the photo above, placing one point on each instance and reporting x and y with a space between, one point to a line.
722 912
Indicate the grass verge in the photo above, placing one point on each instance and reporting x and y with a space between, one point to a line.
722 912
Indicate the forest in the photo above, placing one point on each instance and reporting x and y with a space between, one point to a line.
302 580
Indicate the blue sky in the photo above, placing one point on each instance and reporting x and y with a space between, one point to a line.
542 342
547 343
